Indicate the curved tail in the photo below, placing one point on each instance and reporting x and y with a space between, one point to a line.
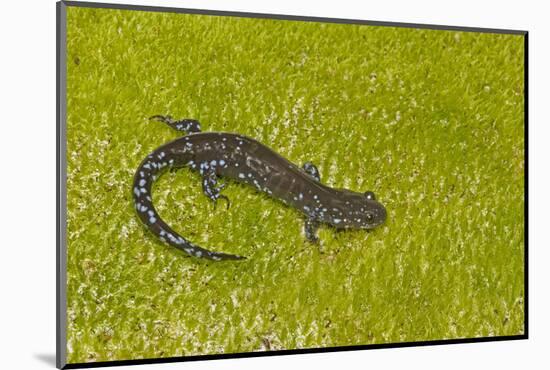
147 172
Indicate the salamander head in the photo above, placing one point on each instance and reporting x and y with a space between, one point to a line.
360 211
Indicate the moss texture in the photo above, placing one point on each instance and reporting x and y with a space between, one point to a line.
431 121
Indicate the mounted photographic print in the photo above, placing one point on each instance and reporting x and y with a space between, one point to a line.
234 184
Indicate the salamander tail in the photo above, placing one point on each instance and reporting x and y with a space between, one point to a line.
217 256
145 175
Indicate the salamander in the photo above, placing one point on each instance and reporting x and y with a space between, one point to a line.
243 159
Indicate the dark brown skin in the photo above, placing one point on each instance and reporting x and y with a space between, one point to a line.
217 154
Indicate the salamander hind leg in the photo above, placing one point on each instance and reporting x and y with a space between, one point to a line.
186 125
210 185
312 170
310 229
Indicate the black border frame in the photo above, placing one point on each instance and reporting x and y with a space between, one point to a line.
61 113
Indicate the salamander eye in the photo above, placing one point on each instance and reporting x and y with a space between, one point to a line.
370 217
370 195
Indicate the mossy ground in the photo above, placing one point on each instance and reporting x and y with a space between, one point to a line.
431 121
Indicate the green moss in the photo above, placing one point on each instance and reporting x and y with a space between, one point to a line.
431 121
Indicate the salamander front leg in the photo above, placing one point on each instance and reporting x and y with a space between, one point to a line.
186 125
310 229
211 188
312 170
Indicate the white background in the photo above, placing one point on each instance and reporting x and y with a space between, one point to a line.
27 182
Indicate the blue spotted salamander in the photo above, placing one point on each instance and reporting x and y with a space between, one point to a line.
245 160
